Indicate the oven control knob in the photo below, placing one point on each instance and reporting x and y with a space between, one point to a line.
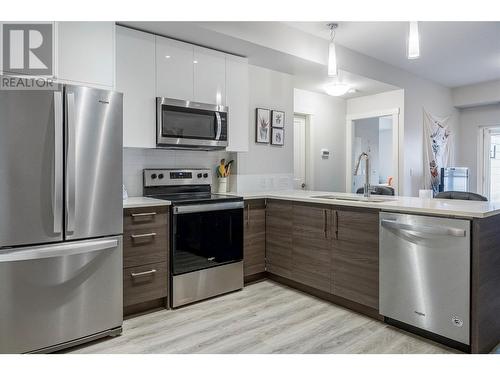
160 176
205 175
153 176
199 175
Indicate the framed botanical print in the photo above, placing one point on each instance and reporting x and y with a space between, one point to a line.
278 136
262 125
277 119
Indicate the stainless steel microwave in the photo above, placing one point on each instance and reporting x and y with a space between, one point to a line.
187 124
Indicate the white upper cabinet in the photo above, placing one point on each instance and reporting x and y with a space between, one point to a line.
209 76
85 53
135 78
174 69
237 102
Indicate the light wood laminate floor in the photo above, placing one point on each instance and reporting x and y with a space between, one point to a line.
264 317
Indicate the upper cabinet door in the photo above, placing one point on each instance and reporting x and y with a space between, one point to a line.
174 69
209 76
86 53
237 102
135 78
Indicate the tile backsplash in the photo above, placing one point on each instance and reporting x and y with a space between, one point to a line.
137 159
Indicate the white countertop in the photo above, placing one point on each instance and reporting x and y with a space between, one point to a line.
134 202
448 207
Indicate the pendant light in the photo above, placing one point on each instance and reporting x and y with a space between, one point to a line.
332 53
413 41
338 89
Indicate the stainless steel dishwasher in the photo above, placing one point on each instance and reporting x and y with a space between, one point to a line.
425 273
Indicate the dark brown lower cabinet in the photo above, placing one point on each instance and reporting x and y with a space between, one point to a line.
145 258
279 238
254 250
355 256
331 249
311 246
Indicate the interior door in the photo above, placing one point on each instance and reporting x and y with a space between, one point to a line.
489 179
299 152
31 141
93 162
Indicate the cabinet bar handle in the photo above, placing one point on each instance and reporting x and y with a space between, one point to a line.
145 273
144 214
152 234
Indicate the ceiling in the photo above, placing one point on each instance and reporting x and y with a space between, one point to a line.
316 81
451 53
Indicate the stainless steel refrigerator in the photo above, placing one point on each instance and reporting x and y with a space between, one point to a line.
60 217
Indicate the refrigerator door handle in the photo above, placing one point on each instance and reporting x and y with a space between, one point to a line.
57 194
70 162
59 250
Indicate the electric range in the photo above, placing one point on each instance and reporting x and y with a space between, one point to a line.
206 241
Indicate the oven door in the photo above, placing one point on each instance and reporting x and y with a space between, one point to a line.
206 235
185 124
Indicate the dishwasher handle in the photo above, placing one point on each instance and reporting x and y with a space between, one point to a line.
423 229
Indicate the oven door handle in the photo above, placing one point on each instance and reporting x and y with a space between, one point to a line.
219 126
193 208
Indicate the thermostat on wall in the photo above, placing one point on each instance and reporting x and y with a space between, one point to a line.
325 153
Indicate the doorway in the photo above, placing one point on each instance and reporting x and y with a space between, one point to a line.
489 168
300 149
376 134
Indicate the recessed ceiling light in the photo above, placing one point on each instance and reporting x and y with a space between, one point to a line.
195 61
167 56
337 89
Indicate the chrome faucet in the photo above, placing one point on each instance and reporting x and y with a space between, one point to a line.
366 186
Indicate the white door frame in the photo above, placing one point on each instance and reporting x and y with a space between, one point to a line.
394 112
309 172
483 160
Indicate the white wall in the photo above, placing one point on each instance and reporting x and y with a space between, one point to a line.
478 94
326 115
267 167
385 155
470 121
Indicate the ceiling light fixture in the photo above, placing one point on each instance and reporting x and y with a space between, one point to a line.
413 41
332 53
337 89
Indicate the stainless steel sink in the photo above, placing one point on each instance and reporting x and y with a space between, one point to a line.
351 199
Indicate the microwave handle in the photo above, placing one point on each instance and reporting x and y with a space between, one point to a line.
219 126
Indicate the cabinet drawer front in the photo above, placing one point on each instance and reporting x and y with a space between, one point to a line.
144 283
144 218
145 246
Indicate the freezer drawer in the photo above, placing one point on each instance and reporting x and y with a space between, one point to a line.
53 294
425 273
